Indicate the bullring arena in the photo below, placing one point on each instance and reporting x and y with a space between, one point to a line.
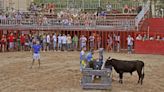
125 29
59 72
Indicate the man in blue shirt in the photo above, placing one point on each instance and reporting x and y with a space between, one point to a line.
36 52
89 59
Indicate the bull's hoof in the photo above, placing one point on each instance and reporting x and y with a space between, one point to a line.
120 81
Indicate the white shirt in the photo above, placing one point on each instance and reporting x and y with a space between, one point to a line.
54 37
69 39
48 38
64 39
117 38
59 39
91 38
130 41
83 39
139 37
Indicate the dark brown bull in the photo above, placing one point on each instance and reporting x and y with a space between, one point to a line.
122 66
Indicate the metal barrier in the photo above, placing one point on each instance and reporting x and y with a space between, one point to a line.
79 24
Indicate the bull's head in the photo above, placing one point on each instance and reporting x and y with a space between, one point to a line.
108 63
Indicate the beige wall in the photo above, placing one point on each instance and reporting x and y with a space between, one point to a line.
16 4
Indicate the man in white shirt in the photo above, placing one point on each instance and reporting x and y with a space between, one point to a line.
139 37
69 42
130 44
64 42
59 42
54 41
83 41
48 42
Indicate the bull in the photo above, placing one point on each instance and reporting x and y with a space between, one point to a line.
122 66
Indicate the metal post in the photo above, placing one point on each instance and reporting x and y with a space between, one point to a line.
83 4
162 12
99 3
18 5
67 4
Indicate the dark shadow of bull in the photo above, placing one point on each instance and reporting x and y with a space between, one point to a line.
122 66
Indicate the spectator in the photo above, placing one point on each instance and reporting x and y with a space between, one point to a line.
44 42
82 59
145 37
91 41
99 61
151 38
139 37
22 41
130 44
54 41
126 9
109 7
109 43
83 41
59 42
117 42
69 42
158 38
89 59
163 38
98 41
45 21
18 43
48 42
75 42
11 41
3 43
64 42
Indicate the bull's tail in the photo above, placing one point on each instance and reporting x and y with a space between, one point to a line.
143 74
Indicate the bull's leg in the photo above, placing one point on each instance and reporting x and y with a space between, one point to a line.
121 76
142 77
139 75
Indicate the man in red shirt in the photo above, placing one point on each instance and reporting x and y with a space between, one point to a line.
22 41
11 42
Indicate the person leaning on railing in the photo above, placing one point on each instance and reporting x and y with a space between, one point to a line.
126 9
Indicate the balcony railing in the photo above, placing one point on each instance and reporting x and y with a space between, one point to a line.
64 24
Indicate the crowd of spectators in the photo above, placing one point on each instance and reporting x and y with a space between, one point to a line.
37 14
146 37
57 42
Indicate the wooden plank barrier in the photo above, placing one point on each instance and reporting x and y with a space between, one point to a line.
89 77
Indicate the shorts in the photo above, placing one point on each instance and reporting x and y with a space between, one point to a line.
36 56
11 45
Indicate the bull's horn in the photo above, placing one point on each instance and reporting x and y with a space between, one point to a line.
109 58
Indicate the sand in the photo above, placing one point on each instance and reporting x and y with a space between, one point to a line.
59 72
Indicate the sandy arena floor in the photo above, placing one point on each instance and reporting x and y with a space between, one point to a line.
59 72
